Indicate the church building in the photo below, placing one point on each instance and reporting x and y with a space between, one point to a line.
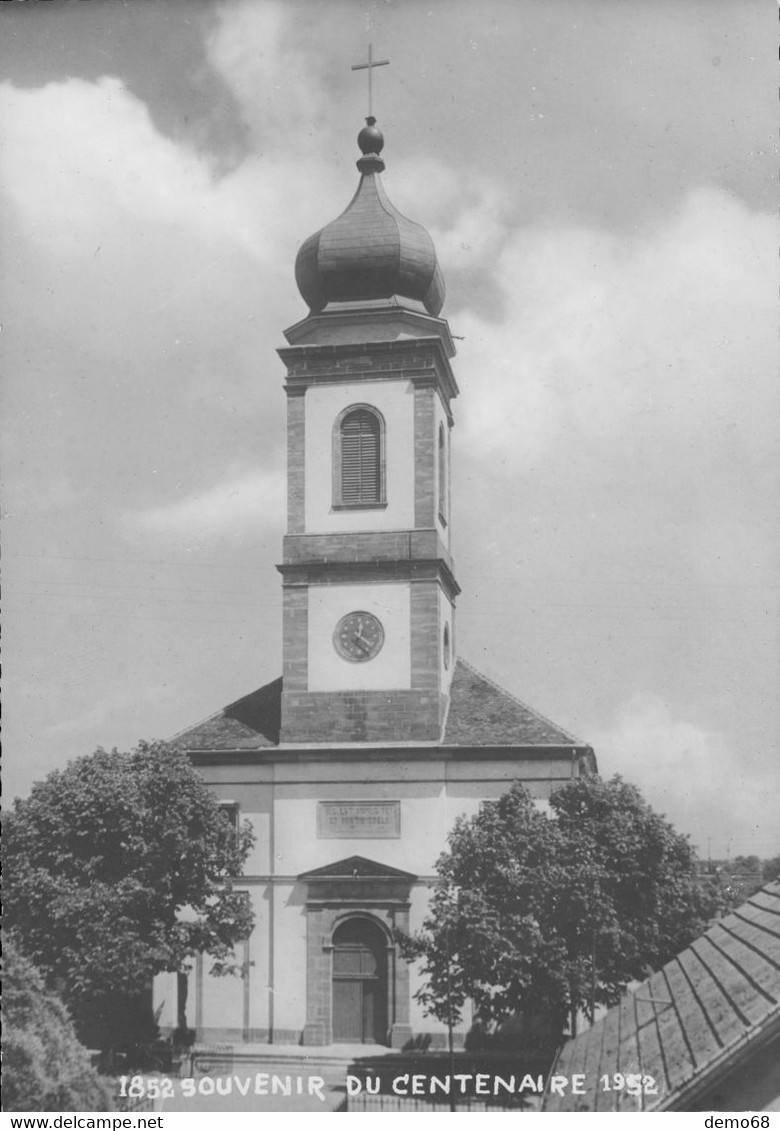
353 766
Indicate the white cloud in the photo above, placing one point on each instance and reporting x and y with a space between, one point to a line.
658 344
77 152
240 506
464 211
276 84
89 174
683 771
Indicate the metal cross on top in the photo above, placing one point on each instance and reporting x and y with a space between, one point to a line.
369 66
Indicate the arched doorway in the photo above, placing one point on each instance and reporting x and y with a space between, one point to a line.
359 982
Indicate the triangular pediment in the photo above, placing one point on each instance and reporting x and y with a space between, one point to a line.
356 868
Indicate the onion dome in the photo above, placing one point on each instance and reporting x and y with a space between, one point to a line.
371 251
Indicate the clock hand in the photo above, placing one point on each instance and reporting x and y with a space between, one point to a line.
361 643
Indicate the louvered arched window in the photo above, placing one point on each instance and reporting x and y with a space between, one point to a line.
359 458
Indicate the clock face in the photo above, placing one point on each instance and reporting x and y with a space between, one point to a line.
358 637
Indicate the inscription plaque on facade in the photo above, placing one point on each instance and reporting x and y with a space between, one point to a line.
363 819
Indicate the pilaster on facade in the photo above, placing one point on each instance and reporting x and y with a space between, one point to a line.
296 460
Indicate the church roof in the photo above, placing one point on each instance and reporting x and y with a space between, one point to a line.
251 723
371 251
481 714
700 1017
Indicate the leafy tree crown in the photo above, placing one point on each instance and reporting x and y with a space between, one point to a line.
545 914
120 866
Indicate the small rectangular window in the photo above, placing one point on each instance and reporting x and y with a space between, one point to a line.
229 810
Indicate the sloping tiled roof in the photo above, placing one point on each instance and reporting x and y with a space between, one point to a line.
250 723
483 714
480 714
698 1018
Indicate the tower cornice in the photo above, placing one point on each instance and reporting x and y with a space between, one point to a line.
366 546
306 573
378 320
419 360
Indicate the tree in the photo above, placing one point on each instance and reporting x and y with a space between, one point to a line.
542 916
770 869
45 1068
748 865
117 868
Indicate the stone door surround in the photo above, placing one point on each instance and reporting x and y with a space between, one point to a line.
354 888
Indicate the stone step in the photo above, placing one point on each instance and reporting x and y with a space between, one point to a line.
327 1061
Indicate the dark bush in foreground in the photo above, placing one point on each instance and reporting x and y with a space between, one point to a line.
45 1068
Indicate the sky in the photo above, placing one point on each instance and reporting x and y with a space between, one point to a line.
599 181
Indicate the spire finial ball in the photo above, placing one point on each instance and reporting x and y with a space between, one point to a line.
370 138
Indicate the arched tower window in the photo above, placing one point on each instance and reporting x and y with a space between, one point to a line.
442 474
358 463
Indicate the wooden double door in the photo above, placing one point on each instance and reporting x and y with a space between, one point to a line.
360 987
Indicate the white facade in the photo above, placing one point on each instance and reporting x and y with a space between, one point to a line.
281 801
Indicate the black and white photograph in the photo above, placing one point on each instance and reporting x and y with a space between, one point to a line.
390 558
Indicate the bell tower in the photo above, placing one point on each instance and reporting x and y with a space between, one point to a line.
368 582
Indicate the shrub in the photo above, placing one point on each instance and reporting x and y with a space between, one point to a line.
45 1068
